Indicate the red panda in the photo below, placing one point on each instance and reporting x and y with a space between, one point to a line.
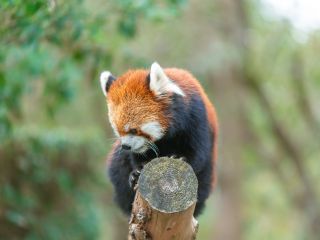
154 113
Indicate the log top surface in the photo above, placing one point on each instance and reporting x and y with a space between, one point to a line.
168 184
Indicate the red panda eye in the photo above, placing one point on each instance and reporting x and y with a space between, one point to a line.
133 131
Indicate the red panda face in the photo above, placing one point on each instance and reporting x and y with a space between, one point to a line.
136 112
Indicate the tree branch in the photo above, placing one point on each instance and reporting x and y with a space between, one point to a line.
298 79
311 204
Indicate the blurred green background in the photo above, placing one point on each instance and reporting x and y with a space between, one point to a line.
262 74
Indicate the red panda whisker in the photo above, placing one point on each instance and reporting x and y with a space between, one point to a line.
153 147
157 149
143 154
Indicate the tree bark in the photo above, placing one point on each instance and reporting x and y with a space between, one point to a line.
165 201
229 92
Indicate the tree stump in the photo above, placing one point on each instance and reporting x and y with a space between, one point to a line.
164 203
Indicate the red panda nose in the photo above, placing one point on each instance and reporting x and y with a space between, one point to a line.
125 147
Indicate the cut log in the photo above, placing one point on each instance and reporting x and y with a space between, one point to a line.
164 203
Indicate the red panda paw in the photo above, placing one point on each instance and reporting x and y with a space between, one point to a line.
133 178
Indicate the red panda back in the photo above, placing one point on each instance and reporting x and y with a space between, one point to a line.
190 85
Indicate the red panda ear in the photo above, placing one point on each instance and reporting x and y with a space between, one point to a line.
160 83
106 79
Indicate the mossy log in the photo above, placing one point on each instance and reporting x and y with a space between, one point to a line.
164 203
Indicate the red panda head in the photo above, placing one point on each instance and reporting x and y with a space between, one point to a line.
137 103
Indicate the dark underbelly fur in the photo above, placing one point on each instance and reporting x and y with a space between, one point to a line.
189 136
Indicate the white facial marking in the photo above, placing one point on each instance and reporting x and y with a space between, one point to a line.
115 130
160 83
126 127
104 77
137 143
153 129
114 127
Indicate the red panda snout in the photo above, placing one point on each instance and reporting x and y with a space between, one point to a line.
134 143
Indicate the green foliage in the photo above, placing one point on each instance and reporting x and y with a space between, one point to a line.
130 11
30 51
45 177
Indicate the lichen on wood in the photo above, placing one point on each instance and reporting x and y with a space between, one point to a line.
165 201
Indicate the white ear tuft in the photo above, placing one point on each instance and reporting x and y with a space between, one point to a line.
106 79
160 83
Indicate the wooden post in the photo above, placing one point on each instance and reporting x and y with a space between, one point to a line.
164 203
